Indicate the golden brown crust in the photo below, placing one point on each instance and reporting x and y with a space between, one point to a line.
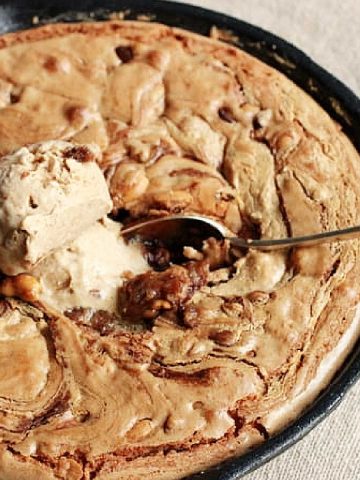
187 124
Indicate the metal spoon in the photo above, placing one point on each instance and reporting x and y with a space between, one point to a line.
193 229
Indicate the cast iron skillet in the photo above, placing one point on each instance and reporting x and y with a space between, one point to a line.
335 97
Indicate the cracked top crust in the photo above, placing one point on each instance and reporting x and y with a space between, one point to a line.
197 354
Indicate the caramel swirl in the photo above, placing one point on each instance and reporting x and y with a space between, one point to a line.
177 364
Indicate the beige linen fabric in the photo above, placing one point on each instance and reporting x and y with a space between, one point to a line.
328 31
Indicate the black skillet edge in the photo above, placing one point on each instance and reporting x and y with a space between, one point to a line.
337 99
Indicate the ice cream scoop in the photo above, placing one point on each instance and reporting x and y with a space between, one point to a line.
89 271
49 193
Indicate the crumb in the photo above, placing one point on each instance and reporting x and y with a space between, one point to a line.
220 275
119 15
145 17
192 254
223 35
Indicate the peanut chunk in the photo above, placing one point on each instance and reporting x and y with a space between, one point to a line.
22 286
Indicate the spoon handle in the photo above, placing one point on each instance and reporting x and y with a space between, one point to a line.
304 241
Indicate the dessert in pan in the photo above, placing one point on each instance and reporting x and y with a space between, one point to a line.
121 360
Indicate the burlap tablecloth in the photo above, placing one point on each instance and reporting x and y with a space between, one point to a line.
329 32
